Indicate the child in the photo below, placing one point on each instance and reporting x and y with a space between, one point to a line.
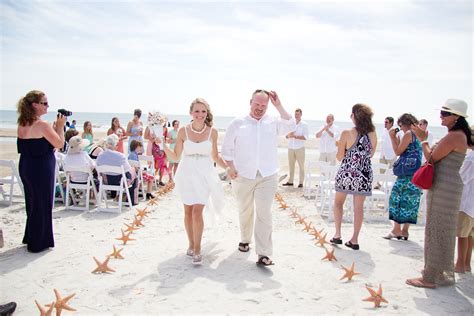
160 160
136 148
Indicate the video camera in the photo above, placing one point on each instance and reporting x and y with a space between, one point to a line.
64 112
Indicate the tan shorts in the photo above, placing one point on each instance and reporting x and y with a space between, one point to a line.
465 225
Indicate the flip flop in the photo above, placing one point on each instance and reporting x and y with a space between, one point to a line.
419 282
244 246
265 261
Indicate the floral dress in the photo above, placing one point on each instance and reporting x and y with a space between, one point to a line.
355 173
160 159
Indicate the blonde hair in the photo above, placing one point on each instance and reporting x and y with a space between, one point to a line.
209 117
26 112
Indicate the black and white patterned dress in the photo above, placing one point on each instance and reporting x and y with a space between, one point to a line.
355 173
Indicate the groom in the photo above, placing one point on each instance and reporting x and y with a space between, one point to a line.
250 150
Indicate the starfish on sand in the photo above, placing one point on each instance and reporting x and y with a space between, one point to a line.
61 303
43 310
349 272
142 213
138 222
283 205
375 297
116 254
316 233
307 227
125 237
294 213
102 267
153 201
322 240
301 220
278 197
130 228
329 255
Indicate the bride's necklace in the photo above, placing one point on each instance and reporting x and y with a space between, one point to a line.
198 132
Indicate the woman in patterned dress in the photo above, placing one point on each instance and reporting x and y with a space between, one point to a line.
355 148
405 197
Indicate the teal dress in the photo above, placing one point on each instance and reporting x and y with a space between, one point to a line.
90 138
174 136
405 197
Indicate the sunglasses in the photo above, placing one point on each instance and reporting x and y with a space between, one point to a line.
44 103
445 113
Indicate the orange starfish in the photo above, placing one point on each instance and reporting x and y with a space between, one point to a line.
375 297
138 222
130 228
349 272
301 220
294 213
153 201
317 234
102 267
307 226
278 197
142 213
116 254
283 205
125 237
329 255
61 303
322 240
43 310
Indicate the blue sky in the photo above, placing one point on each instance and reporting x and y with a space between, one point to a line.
322 56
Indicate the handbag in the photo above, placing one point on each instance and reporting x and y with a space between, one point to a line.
408 162
423 177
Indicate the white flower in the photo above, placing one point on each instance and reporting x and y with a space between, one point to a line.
156 118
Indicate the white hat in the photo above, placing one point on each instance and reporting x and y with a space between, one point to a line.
76 144
111 141
455 106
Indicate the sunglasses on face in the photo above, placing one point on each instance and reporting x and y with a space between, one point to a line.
445 113
44 103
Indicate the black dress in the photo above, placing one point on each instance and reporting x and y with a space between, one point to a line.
37 167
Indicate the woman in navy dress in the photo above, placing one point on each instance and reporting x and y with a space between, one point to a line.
36 142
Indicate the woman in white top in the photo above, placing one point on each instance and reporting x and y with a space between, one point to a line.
77 157
197 181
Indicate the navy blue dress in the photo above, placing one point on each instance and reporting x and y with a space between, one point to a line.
37 167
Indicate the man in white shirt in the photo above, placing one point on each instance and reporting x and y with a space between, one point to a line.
328 135
387 155
296 149
250 150
423 124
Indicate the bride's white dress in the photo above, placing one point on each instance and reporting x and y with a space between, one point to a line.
197 180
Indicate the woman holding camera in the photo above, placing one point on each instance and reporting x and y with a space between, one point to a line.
36 142
405 196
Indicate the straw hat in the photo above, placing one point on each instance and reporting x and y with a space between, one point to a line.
77 144
455 106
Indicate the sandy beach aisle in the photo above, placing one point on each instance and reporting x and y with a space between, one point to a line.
157 277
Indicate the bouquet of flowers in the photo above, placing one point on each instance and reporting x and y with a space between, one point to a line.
156 120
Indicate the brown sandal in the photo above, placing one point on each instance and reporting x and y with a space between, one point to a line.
419 282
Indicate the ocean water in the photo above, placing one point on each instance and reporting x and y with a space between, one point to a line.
102 121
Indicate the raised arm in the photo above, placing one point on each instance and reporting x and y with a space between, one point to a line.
55 136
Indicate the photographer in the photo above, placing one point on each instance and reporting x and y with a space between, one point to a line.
36 142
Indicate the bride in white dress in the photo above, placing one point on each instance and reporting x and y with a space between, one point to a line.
197 180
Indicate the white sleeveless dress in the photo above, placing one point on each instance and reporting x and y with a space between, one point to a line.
197 180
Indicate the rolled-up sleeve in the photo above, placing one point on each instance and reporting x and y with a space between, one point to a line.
285 126
228 145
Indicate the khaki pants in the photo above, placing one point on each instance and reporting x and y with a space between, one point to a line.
293 156
256 197
328 157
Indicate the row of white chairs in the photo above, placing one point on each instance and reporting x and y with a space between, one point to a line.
9 182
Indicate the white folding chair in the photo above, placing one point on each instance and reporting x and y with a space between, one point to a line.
12 179
380 168
140 182
85 187
313 177
327 190
148 162
59 172
381 189
121 188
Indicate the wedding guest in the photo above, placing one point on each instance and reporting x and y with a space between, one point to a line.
405 197
296 149
355 148
172 137
73 124
423 124
135 128
136 148
197 181
465 223
329 135
444 197
67 136
250 151
112 157
387 155
77 157
160 159
87 134
36 142
118 130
